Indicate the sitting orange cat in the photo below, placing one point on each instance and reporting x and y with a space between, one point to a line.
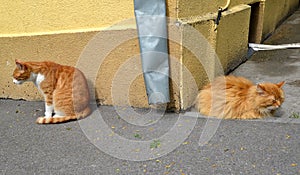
233 97
64 88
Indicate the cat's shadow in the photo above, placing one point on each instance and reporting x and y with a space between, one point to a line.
279 113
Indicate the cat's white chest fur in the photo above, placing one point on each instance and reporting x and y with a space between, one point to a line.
37 79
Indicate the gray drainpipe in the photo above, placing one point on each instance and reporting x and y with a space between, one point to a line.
152 30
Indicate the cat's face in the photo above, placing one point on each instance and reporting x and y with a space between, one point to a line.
270 96
21 73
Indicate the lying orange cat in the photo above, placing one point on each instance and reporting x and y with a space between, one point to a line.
233 97
64 88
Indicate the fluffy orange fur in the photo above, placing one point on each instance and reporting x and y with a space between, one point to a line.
231 97
64 88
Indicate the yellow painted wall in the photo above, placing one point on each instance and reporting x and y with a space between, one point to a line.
61 48
187 8
23 17
275 11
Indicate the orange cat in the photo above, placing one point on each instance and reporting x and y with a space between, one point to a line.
64 88
233 97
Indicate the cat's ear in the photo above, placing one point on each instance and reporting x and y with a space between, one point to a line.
20 65
280 84
260 90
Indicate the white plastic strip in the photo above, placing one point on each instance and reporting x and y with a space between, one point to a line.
257 47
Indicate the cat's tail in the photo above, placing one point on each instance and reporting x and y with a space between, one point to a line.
53 120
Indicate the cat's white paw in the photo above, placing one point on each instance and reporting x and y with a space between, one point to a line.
57 116
48 114
48 110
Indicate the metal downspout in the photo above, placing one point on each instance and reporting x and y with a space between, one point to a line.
152 30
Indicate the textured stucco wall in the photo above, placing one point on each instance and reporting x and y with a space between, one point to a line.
275 11
67 49
61 48
232 37
229 52
42 16
187 8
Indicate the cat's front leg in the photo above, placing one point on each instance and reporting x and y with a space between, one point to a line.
47 90
49 110
49 107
